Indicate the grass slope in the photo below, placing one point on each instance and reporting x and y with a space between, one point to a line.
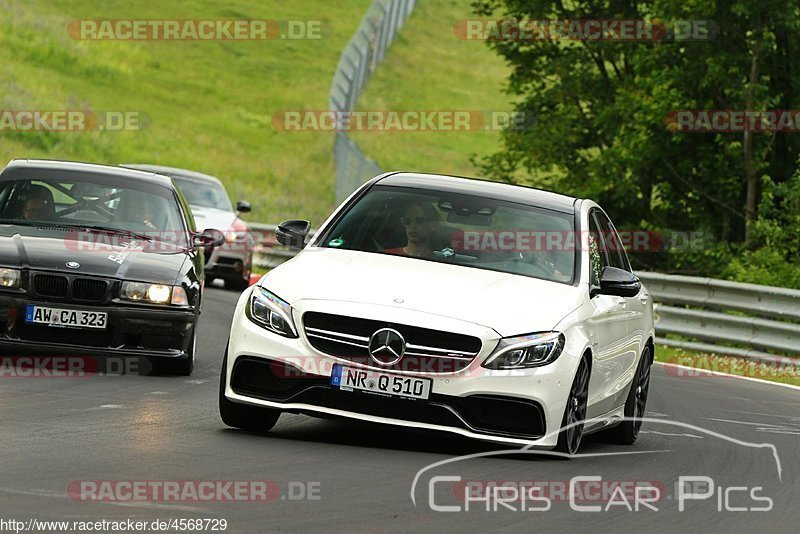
429 68
209 105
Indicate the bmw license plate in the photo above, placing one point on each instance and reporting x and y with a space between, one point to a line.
350 379
65 318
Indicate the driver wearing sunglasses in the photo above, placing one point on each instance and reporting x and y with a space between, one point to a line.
419 221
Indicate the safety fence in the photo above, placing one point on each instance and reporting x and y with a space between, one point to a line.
736 319
359 59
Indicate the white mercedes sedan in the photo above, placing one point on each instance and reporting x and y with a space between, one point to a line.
497 312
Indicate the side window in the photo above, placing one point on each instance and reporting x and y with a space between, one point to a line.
624 255
597 256
611 243
5 194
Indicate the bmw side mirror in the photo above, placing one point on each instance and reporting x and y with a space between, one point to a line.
293 233
208 238
618 282
243 207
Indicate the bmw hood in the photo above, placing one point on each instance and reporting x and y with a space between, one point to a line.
509 304
50 249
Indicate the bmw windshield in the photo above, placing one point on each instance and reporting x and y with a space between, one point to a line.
93 202
459 229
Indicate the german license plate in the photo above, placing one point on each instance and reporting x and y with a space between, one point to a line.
351 379
65 318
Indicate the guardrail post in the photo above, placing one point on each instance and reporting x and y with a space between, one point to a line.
369 44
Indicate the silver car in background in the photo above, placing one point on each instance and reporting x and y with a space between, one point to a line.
212 208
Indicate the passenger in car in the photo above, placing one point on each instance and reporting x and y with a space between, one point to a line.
420 222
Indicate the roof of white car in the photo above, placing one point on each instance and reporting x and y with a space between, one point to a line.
482 188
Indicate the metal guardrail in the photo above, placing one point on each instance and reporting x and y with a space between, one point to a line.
726 317
267 252
362 55
765 301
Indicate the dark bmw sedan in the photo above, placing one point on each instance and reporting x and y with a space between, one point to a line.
99 261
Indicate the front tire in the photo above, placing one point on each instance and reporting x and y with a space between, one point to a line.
182 366
627 432
571 434
244 416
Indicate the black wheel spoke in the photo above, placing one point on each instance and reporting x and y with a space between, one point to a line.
576 409
642 387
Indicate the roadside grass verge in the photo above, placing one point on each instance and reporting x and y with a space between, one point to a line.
704 362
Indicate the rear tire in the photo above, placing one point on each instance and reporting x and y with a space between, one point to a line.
244 416
627 432
571 435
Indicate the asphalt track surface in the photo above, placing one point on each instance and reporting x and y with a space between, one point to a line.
56 431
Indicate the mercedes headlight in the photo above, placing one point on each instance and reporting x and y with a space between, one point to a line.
153 293
523 352
271 312
9 278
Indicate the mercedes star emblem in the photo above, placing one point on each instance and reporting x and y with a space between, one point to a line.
386 346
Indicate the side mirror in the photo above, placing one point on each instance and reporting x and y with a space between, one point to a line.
293 233
618 282
243 207
208 238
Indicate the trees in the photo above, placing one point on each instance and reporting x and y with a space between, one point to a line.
603 113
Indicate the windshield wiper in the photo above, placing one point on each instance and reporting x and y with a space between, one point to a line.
58 224
122 231
99 229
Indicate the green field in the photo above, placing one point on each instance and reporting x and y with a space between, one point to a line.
786 374
421 73
208 104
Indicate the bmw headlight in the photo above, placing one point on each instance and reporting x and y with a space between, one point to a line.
9 278
153 293
523 352
271 312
